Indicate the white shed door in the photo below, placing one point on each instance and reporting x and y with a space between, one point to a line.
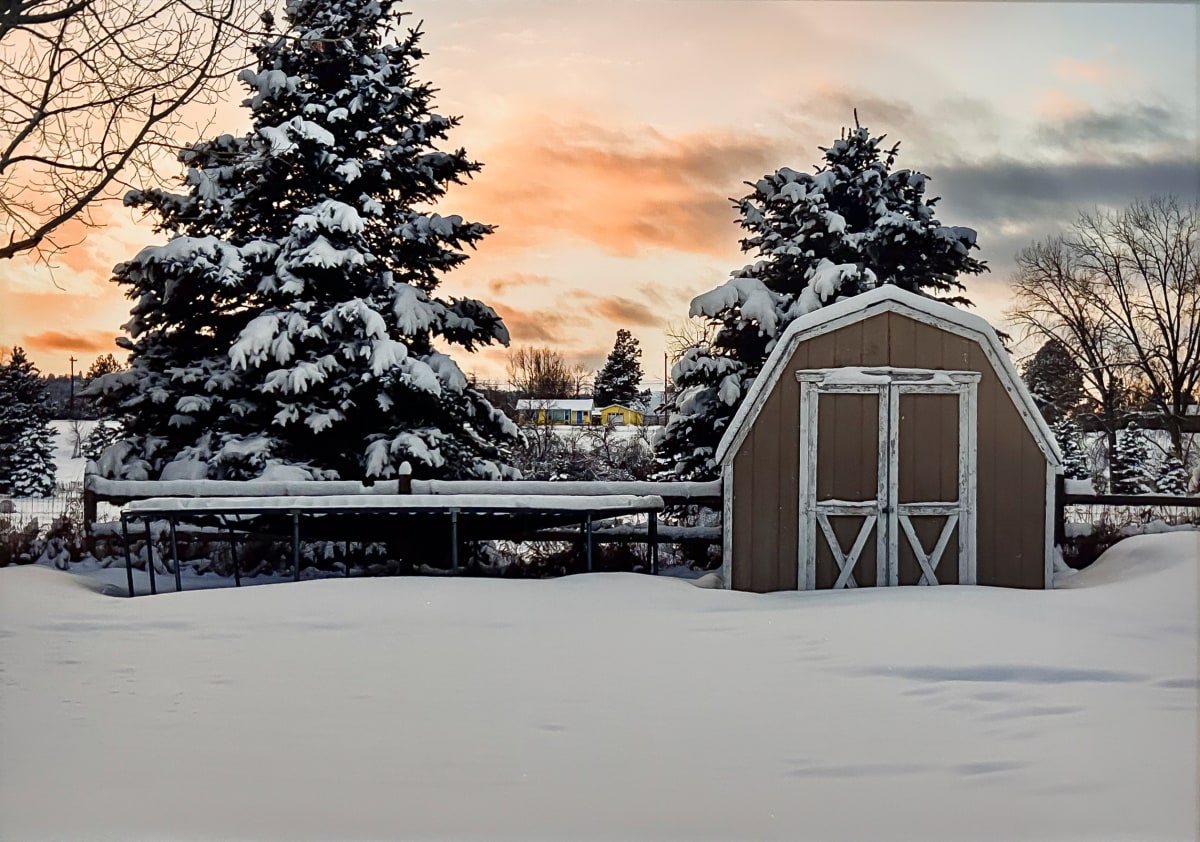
887 477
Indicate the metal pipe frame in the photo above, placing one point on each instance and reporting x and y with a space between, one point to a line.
128 554
150 559
175 558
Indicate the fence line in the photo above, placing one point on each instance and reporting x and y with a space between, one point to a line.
41 514
1120 509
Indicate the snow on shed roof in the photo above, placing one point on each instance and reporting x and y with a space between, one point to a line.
573 404
887 298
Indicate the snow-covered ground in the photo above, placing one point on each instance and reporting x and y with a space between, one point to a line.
610 706
68 467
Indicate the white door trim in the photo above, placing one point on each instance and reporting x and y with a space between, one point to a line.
885 514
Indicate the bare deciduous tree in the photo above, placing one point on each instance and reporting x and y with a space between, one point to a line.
1122 290
93 91
688 334
544 373
1054 300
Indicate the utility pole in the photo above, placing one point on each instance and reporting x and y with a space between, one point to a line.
71 403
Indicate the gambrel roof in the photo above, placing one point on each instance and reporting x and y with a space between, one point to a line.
887 298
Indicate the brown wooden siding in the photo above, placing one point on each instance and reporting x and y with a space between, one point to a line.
1010 522
928 474
847 426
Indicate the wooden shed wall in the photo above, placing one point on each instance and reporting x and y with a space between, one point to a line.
1011 469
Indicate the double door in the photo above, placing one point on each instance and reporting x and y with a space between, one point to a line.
887 477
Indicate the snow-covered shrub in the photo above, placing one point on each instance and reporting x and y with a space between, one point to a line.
595 453
1172 478
1075 462
1131 467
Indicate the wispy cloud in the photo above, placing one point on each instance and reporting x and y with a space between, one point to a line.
626 311
1126 123
517 280
1087 71
623 190
53 340
1056 104
536 326
1010 188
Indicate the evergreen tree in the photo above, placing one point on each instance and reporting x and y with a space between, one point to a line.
1075 465
1130 469
1055 380
1172 477
618 381
854 224
105 433
26 440
289 327
104 364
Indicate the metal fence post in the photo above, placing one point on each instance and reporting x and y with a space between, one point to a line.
237 568
295 546
652 539
454 540
150 558
89 518
587 531
175 557
128 554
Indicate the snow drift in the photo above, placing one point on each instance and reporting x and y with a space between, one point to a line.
604 707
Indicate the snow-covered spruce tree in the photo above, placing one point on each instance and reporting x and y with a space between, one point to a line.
99 438
1055 380
26 440
1075 464
1130 469
852 225
617 382
288 328
1172 476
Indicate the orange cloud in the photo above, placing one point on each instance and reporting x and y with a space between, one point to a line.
526 326
626 311
624 191
516 280
1055 104
53 340
1088 71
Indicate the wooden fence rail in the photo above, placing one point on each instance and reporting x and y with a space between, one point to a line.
1062 499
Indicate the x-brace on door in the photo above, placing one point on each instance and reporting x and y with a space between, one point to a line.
851 501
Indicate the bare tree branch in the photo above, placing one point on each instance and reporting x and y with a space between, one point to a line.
94 93
1122 291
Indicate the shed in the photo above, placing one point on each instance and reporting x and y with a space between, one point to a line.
887 441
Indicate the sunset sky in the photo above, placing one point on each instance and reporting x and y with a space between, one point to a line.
613 135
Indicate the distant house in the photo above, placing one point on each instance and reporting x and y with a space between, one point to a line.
574 412
617 414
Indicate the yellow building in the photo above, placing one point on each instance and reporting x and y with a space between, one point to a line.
618 415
